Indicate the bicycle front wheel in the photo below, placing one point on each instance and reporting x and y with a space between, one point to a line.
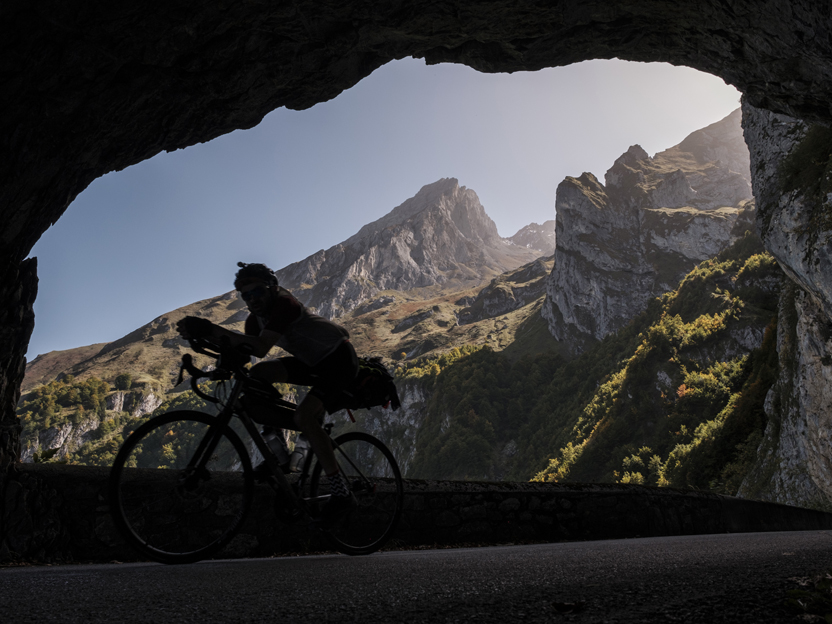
171 500
375 482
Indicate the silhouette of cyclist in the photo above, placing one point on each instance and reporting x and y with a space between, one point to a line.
321 357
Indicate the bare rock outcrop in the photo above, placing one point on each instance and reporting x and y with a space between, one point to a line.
399 429
441 236
540 237
63 439
794 464
621 243
792 181
508 292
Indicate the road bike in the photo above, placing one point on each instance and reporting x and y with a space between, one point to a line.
182 483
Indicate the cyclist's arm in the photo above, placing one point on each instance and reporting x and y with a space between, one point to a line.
259 345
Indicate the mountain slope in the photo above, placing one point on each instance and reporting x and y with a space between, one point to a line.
675 398
440 237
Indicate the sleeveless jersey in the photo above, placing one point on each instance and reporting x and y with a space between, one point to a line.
307 336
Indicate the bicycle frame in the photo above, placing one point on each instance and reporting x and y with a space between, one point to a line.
233 408
282 418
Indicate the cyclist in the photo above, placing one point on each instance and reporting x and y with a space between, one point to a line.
321 356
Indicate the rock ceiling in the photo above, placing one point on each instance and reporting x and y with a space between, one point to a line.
92 86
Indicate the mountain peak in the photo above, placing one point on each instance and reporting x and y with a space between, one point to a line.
536 236
721 141
460 203
440 236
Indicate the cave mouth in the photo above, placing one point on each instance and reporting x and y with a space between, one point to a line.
511 138
99 88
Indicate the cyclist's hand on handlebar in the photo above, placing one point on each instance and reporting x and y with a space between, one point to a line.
195 327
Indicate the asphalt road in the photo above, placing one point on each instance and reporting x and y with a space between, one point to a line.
712 578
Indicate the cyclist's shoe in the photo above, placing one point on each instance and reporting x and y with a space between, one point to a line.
336 508
262 472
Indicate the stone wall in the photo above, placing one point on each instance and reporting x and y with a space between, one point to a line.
61 514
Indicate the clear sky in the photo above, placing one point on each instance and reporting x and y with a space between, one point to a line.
169 231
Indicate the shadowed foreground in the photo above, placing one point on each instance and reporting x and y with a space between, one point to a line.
62 516
736 578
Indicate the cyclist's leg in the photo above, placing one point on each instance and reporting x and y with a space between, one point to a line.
308 417
310 411
330 376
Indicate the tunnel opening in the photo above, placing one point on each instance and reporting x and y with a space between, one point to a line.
103 120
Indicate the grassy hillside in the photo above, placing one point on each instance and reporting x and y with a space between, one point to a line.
416 323
135 375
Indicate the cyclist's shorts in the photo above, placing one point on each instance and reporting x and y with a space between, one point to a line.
328 378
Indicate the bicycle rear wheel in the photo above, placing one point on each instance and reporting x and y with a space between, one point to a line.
172 512
375 482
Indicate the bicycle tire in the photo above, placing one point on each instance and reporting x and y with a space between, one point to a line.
167 515
375 482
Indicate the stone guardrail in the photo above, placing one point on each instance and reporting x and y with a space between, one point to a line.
58 513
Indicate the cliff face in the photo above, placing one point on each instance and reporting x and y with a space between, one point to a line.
399 429
509 291
792 179
441 236
794 465
794 461
621 243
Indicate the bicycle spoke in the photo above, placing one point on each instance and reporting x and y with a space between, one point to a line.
172 512
365 462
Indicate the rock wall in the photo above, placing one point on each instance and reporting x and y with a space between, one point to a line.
794 462
67 437
794 219
622 243
399 429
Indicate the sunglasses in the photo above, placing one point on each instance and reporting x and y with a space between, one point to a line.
254 293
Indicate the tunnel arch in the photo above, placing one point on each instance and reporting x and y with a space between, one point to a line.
93 87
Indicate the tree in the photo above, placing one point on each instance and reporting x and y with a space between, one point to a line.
123 381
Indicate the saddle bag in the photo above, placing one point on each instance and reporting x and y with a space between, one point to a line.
373 386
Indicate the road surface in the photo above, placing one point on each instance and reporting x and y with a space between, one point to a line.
712 578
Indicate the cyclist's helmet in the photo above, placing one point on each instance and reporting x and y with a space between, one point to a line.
254 271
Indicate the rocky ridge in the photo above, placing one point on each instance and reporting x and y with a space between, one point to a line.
621 243
440 237
540 237
509 291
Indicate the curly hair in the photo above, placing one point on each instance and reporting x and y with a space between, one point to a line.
255 271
